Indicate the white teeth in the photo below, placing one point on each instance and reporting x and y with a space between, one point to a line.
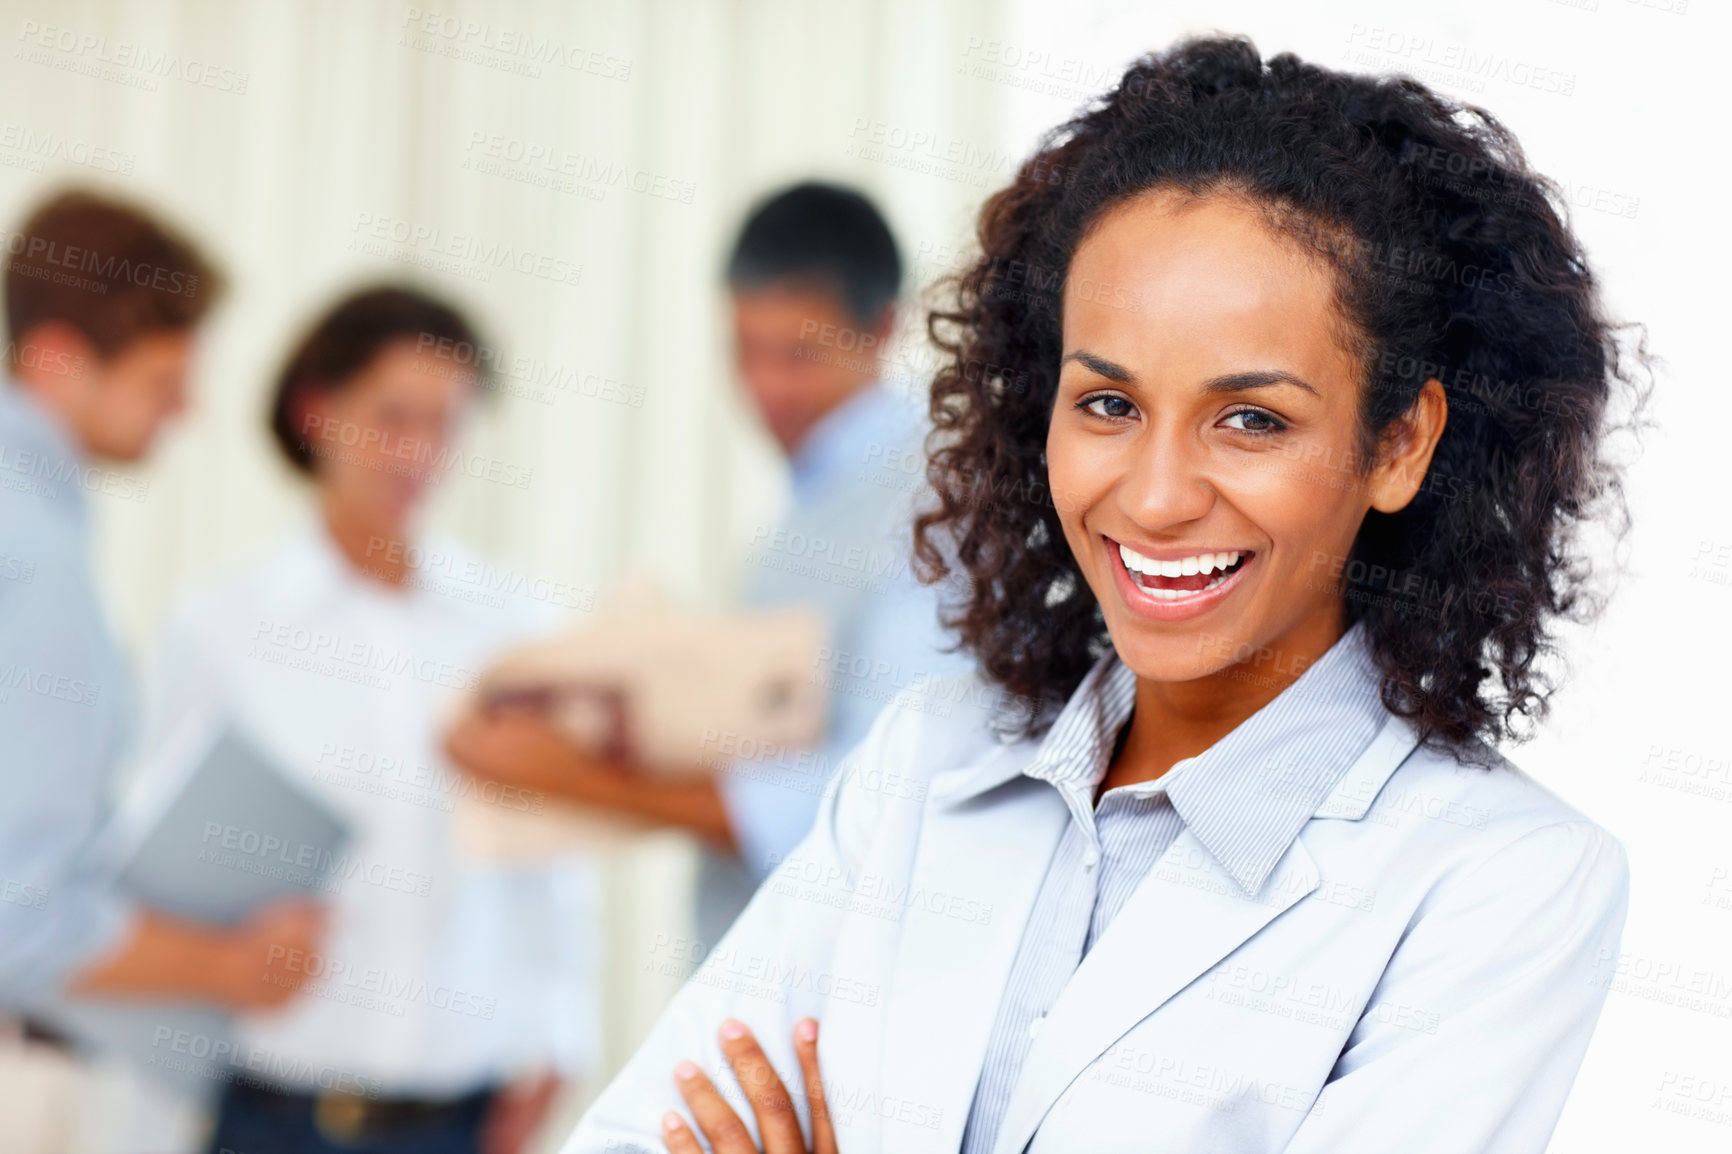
1182 567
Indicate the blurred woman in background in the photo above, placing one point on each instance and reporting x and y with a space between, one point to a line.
447 987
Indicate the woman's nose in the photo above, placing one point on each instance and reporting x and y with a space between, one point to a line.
1166 483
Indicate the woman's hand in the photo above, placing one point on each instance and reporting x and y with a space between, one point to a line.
777 1121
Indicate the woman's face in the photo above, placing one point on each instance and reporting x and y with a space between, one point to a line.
1201 446
383 438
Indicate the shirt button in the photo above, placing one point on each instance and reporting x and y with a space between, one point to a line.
1034 1026
1091 859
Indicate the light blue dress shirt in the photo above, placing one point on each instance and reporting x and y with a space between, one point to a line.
844 547
1246 798
64 709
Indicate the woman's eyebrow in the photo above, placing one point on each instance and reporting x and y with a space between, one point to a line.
1229 383
1100 366
1236 382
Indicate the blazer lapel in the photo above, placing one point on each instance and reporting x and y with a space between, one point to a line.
983 863
1184 917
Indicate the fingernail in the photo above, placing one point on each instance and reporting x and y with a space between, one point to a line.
806 1030
685 1070
672 1121
733 1029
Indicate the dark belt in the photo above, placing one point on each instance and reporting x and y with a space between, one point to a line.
45 1035
345 1117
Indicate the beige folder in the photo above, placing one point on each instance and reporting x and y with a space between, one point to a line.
667 690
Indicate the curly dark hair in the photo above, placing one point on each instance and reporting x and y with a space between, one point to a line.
1451 259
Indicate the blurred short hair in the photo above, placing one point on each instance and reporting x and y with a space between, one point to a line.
820 236
346 338
108 269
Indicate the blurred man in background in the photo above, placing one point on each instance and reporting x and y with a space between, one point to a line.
102 304
814 277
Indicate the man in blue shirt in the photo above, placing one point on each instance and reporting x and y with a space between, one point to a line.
101 306
814 278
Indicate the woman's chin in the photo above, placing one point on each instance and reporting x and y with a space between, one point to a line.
1169 658
399 508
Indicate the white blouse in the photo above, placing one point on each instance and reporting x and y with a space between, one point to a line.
439 972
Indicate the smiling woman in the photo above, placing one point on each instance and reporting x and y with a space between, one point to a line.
1149 456
1276 220
1263 546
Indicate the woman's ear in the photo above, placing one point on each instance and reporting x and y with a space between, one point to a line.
1405 452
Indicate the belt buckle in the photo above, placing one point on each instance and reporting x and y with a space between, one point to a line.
339 1116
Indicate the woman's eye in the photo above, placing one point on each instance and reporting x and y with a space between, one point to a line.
1107 405
1254 421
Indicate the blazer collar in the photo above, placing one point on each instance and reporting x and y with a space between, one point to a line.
1193 909
1324 746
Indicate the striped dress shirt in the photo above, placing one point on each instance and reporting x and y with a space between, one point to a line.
1245 799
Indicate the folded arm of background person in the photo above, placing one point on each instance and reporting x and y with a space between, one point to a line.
898 643
164 957
522 748
1475 1032
761 808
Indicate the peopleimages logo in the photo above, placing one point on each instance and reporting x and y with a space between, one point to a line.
283 642
466 247
16 678
37 147
255 852
422 458
529 48
137 65
42 474
336 979
220 1059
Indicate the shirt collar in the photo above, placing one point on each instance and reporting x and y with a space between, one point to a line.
29 426
840 443
1246 797
317 564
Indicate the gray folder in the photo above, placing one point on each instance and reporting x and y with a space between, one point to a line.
238 835
235 835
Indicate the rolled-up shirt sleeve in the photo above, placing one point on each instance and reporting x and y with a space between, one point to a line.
896 644
61 707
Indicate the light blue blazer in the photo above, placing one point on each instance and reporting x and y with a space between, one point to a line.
1421 971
